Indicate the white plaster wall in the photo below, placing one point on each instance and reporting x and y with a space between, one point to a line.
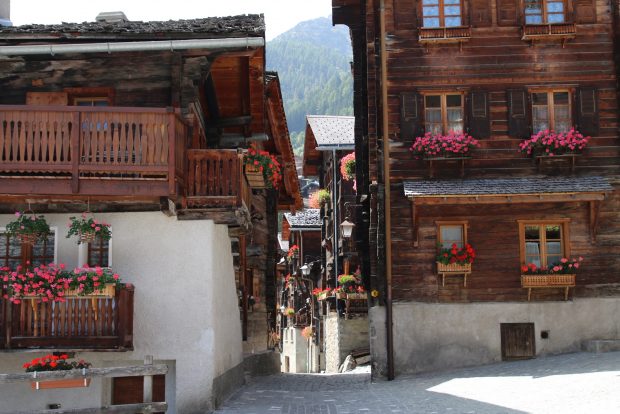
295 348
439 336
185 308
343 336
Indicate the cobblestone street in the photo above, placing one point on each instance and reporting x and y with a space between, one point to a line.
572 383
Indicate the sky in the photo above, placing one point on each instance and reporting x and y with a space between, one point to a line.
280 15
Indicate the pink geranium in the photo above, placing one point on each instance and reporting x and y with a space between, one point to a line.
452 145
550 143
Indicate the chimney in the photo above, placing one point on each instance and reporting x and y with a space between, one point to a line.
5 13
111 17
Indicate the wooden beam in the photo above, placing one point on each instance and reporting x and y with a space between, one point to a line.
230 121
595 208
112 372
416 223
508 199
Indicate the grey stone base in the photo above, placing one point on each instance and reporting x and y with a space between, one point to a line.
262 363
226 384
602 345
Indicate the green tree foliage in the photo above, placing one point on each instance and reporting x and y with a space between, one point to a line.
313 63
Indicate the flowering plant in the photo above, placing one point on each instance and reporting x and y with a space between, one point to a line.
28 224
267 164
564 266
350 284
289 312
293 251
318 291
455 143
347 167
318 198
54 363
50 283
307 332
454 255
551 143
83 225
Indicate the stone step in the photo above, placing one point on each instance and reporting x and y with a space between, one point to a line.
601 345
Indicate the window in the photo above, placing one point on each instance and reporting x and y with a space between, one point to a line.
95 101
543 244
452 232
443 113
99 253
14 253
544 11
551 110
441 13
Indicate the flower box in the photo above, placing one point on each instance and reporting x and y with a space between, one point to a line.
565 281
254 176
60 383
356 296
452 269
108 291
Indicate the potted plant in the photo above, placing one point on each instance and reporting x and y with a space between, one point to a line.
293 252
52 283
262 169
549 143
455 259
560 275
347 167
434 146
289 312
28 227
87 229
350 287
57 363
307 332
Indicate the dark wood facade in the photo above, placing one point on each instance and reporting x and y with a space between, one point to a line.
495 65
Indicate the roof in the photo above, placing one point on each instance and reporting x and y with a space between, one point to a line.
242 25
332 131
307 218
282 243
506 186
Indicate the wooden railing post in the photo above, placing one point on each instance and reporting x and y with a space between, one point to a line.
76 121
172 134
125 317
148 381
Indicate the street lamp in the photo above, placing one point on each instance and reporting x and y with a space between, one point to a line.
305 270
347 228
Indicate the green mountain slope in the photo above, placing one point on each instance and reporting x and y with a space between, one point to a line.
313 62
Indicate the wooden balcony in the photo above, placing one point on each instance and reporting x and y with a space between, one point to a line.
111 151
216 187
97 323
430 35
549 32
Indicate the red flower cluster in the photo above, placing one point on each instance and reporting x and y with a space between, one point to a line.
347 167
455 143
293 251
551 143
267 164
54 363
455 255
564 266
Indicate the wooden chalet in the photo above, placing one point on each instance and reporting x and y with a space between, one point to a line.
500 71
143 124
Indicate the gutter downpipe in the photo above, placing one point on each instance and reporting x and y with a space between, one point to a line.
335 212
387 190
157 45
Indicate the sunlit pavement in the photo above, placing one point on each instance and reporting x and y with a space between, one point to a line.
572 383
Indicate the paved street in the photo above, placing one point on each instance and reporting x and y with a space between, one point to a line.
573 383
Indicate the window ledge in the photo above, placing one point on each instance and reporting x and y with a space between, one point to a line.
438 35
549 32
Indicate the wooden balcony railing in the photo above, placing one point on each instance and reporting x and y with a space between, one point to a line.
560 31
215 179
79 323
444 34
90 151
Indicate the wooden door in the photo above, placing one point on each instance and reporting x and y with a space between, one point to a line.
517 341
130 390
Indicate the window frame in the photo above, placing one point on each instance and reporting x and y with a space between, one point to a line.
440 223
564 239
544 12
551 105
26 254
444 109
88 247
441 16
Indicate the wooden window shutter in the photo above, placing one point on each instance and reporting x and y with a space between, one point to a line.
508 12
586 111
410 122
405 14
479 121
585 11
518 113
480 15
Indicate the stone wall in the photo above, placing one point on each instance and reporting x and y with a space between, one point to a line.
343 336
